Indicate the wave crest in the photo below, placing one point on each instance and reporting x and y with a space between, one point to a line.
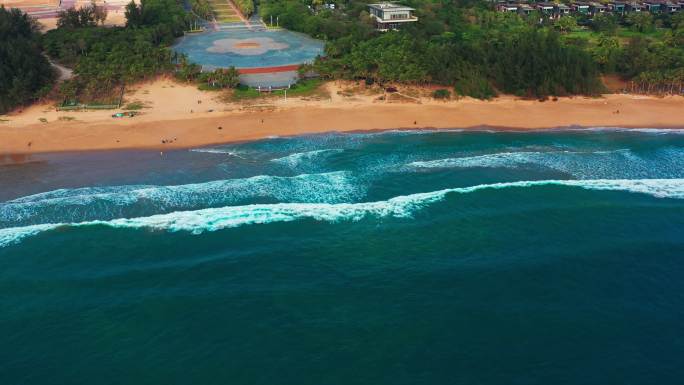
213 219
622 163
297 159
82 204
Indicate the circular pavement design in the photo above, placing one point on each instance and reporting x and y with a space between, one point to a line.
249 49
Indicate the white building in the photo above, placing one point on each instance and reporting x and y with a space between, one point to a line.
389 16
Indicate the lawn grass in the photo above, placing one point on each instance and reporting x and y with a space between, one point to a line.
623 34
244 93
134 106
629 33
309 87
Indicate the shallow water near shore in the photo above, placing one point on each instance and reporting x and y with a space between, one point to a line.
400 257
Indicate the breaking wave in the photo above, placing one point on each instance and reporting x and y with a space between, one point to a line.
82 204
501 159
659 131
297 159
621 163
223 151
213 219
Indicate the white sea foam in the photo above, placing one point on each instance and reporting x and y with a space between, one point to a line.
14 235
223 151
300 158
501 159
644 130
84 203
610 164
213 219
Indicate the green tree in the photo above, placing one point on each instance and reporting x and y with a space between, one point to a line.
605 23
606 52
640 21
566 24
25 73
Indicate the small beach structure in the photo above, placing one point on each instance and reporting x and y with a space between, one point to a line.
579 7
561 10
507 8
671 7
525 9
653 6
617 7
597 8
635 7
390 16
545 8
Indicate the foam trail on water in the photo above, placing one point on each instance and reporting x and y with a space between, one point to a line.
644 130
501 159
218 151
82 204
213 219
299 158
610 164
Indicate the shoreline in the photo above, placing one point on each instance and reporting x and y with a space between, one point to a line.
180 116
15 156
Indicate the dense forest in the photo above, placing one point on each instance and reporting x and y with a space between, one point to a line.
25 73
104 58
480 52
245 6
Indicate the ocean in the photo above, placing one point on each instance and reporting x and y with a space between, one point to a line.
398 257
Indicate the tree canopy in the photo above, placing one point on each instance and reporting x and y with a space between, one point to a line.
105 58
24 72
480 52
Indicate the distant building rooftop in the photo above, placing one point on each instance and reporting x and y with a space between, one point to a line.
390 16
390 7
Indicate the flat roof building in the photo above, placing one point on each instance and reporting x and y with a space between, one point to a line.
616 7
507 8
597 8
546 8
390 16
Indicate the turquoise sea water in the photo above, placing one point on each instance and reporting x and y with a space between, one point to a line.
454 257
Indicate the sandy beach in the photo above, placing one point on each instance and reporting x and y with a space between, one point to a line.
179 115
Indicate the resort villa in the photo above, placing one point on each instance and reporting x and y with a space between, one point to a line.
555 10
390 16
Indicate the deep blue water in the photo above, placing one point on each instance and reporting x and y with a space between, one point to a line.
550 257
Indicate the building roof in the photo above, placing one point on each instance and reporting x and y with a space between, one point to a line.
390 7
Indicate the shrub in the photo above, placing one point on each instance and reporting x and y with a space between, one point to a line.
441 94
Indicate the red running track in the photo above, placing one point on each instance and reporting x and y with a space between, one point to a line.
267 70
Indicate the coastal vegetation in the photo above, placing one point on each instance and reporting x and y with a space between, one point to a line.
202 8
464 46
106 58
479 52
310 88
25 74
245 6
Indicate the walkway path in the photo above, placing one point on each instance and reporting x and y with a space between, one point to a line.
63 73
